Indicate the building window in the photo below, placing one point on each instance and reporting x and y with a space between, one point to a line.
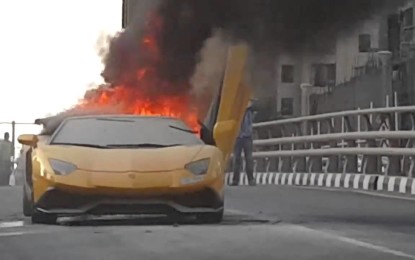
287 74
394 34
408 17
407 21
287 106
324 75
364 43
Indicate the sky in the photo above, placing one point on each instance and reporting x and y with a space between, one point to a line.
48 54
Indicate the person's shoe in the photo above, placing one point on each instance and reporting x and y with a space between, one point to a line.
252 183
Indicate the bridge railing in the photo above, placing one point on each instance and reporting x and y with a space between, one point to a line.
367 141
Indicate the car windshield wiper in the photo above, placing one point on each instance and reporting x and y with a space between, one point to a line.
140 145
83 145
182 129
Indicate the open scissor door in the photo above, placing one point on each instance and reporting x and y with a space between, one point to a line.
223 122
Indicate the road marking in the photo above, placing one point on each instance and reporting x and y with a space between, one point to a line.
12 234
343 239
385 195
11 224
236 212
356 242
29 232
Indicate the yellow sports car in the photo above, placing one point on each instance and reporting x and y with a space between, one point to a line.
123 164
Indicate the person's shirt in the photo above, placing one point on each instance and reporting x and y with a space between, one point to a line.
6 150
246 126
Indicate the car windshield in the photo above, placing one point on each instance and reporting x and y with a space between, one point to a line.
125 132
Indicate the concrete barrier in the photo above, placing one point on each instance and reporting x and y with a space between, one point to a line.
365 182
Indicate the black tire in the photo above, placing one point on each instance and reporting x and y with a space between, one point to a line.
43 218
27 203
211 217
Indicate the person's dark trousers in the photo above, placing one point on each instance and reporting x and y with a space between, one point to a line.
244 144
5 171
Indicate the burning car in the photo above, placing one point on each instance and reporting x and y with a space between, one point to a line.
135 164
128 164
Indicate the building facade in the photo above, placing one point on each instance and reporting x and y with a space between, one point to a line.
325 62
348 56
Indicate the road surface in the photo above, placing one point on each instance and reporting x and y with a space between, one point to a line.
263 222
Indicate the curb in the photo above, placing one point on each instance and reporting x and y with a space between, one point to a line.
403 185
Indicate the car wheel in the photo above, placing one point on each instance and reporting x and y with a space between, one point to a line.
43 218
211 217
27 202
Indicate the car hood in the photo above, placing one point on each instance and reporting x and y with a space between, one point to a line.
124 160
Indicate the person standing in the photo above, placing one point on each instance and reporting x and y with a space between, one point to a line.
6 151
244 142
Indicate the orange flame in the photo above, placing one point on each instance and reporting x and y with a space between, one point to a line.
135 98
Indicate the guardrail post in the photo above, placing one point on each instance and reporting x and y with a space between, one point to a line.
371 161
411 167
315 164
285 162
394 161
351 160
261 134
333 161
300 162
306 90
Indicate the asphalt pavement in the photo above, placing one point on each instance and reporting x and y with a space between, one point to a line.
263 222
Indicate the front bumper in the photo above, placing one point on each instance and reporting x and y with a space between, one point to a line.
55 201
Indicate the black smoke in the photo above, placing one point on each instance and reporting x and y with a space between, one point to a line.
264 24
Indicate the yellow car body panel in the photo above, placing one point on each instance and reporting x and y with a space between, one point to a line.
130 172
235 96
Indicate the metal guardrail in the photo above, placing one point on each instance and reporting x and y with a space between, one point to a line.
357 112
368 141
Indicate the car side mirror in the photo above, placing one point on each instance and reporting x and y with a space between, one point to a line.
30 140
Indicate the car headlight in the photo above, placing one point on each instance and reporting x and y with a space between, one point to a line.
61 167
198 167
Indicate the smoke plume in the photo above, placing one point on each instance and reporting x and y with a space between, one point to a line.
209 72
265 24
188 38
